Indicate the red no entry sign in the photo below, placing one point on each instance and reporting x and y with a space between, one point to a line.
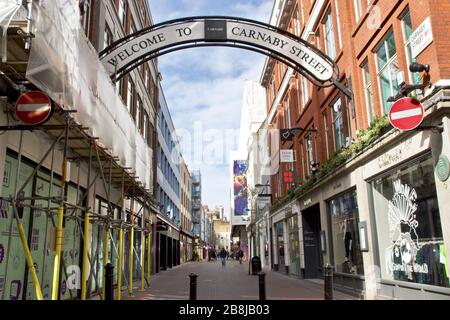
406 114
33 107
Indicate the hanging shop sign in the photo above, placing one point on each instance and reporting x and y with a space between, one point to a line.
135 49
263 201
421 38
287 155
406 114
287 135
33 108
443 168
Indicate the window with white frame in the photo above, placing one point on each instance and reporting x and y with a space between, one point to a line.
122 12
305 91
288 112
368 91
130 96
299 98
338 124
387 70
407 31
358 9
107 37
330 45
302 8
139 113
297 26
325 125
338 19
309 150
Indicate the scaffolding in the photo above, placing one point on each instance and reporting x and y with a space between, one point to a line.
79 147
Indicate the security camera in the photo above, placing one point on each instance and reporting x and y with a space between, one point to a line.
417 67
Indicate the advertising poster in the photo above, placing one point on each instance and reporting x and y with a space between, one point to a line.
240 187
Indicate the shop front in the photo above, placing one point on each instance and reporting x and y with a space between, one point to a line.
346 255
410 240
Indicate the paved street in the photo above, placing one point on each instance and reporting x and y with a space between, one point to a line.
229 283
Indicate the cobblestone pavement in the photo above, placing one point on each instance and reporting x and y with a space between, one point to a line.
231 282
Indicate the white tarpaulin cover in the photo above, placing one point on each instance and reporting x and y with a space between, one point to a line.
8 9
64 64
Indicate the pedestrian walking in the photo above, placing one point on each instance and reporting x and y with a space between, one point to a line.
223 256
240 255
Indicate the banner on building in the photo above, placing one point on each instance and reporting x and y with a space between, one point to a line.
240 187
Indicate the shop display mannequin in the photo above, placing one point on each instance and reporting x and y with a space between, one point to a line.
348 245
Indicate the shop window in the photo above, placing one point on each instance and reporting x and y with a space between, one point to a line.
387 69
280 243
344 228
294 246
407 219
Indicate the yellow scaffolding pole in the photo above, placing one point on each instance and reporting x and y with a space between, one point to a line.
84 273
149 257
130 284
26 249
59 236
119 269
105 258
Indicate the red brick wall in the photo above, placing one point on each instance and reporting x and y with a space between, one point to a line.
359 40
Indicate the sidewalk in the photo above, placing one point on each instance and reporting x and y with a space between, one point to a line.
232 282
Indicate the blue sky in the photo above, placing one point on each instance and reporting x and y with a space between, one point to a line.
203 88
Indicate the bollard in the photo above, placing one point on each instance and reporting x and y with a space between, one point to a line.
262 285
109 282
193 286
328 274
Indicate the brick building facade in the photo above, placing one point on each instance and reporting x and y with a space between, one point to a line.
347 154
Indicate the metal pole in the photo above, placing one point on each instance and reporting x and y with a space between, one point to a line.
131 257
142 261
59 226
109 282
262 285
110 210
149 252
119 269
193 286
119 276
328 274
86 231
105 256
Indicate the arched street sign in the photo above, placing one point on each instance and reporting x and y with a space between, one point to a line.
406 114
33 107
128 53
